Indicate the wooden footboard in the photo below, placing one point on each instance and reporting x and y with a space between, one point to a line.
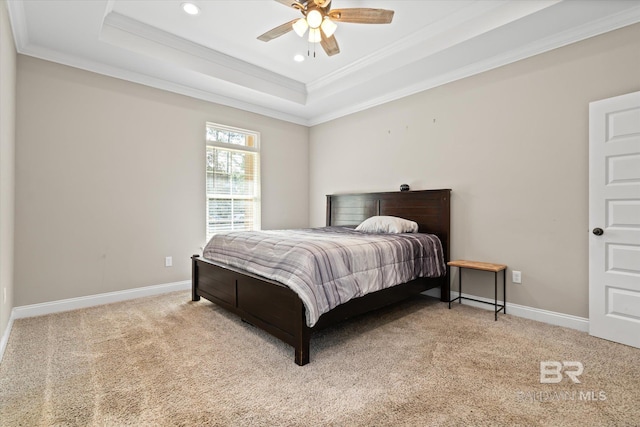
264 303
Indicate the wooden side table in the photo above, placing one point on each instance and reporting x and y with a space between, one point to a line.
484 266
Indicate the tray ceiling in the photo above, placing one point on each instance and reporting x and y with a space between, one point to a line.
216 56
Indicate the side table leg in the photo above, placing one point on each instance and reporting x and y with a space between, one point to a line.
504 289
459 285
449 298
495 295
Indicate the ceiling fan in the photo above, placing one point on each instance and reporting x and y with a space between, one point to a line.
320 20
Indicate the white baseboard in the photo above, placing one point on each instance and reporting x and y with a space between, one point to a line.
99 299
84 302
551 317
5 336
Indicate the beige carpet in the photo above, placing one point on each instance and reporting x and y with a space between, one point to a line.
168 361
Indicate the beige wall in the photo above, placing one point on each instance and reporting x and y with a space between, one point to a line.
109 174
110 180
7 165
512 144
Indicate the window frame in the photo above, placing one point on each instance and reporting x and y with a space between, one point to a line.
230 147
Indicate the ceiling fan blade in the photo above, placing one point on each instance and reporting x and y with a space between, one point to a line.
277 31
329 44
362 16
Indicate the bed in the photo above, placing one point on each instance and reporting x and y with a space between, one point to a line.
277 309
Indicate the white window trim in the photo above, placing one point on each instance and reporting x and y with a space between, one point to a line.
239 148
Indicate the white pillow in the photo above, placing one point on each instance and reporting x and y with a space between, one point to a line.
387 224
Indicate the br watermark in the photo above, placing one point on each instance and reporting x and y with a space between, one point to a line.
551 371
557 372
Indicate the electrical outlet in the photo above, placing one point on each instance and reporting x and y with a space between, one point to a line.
168 261
516 276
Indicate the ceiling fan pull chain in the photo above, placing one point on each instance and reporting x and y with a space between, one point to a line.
309 49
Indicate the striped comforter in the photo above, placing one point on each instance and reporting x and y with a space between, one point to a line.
329 266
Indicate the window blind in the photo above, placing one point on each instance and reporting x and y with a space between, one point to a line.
232 180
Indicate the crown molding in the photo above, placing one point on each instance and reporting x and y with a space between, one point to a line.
130 34
147 80
18 23
433 38
409 42
583 32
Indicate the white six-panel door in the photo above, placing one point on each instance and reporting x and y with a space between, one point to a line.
614 219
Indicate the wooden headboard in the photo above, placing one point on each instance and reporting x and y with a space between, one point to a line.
429 208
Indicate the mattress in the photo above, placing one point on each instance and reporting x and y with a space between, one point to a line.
329 266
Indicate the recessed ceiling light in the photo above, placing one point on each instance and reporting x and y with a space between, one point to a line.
298 58
190 8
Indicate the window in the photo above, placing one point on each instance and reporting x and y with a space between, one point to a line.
233 179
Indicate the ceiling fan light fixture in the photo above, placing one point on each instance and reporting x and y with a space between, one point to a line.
328 26
322 22
314 35
314 19
300 26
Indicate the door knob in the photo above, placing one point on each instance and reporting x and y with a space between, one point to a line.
598 231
